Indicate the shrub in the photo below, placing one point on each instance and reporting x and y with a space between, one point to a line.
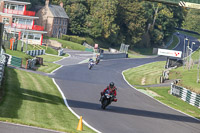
75 39
90 41
66 37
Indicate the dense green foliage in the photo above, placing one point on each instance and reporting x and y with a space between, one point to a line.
192 20
76 39
134 22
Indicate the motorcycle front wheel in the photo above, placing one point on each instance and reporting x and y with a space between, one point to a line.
104 104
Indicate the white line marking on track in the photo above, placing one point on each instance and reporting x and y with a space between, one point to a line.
65 101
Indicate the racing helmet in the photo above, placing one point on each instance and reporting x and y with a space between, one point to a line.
111 84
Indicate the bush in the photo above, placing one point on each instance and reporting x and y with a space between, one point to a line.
75 39
90 41
66 37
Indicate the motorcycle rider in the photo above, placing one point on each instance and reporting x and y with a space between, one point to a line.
97 59
112 89
91 60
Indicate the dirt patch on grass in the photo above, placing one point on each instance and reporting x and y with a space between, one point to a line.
143 81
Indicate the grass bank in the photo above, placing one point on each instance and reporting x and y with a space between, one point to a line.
188 78
48 50
19 54
136 76
146 74
133 54
48 65
32 99
70 45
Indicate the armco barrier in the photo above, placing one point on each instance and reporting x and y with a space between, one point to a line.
36 52
113 55
89 49
186 95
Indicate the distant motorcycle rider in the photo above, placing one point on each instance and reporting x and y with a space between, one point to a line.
97 59
112 89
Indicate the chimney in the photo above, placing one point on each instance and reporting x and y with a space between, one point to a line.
61 4
47 3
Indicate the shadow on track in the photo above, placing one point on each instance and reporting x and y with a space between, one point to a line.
131 111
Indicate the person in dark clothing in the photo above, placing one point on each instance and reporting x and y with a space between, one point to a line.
112 89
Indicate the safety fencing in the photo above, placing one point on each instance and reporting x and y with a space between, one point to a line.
36 52
89 49
113 55
186 95
15 61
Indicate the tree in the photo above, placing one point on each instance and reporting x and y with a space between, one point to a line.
131 21
77 13
192 20
101 20
162 20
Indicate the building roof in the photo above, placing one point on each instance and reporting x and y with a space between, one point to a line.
58 11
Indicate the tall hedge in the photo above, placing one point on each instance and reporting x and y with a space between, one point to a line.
75 39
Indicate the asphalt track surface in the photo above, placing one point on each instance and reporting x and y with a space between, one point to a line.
133 113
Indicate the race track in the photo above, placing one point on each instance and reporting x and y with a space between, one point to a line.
133 113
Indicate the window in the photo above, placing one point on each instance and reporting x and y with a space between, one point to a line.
6 20
13 7
13 20
55 20
30 36
20 7
37 36
22 21
60 21
29 22
24 35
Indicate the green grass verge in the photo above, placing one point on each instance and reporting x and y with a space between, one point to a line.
143 51
32 99
50 58
133 54
146 74
188 78
174 43
48 50
48 65
172 101
134 77
19 54
70 45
